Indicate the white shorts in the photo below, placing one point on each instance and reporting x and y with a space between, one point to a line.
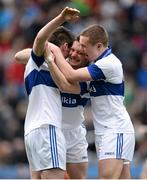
115 145
76 144
46 148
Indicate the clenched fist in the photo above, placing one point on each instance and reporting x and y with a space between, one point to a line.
70 14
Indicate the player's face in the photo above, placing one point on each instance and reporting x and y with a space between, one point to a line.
91 50
77 56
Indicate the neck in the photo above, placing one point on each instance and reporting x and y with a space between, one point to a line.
102 50
105 51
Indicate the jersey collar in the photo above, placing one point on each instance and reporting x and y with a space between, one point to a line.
107 52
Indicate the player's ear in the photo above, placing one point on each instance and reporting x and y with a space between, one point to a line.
65 46
65 49
99 45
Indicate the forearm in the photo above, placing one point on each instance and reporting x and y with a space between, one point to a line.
23 56
46 31
44 34
64 66
61 81
72 75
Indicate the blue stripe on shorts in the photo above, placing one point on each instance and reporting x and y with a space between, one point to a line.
119 145
54 149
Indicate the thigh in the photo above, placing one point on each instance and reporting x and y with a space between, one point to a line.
112 150
128 148
46 148
76 145
115 146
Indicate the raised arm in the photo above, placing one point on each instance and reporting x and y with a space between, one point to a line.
43 35
23 56
58 77
72 75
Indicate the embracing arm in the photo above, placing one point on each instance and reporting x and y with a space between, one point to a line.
63 84
23 56
58 77
72 75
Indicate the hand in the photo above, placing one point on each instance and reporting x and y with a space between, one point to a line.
48 55
70 14
53 48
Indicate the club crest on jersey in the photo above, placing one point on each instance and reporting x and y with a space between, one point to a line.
66 100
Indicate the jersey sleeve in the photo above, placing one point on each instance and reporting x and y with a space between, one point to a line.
84 90
96 72
108 69
39 60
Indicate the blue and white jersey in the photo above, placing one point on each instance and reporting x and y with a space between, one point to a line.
73 107
107 95
44 105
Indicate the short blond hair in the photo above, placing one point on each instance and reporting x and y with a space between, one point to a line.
96 33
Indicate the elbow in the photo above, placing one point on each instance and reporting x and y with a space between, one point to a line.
70 79
38 39
16 58
41 37
63 87
70 76
68 88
